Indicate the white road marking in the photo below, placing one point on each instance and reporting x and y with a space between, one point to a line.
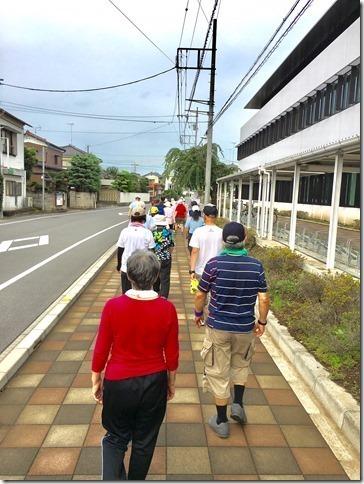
44 240
41 240
53 216
5 245
25 273
22 247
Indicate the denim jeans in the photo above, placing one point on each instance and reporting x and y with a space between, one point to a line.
133 410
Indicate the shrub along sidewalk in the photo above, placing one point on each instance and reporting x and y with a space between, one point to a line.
321 312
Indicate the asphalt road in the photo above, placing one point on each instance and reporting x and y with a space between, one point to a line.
57 249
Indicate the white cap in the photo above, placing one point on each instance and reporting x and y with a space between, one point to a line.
195 208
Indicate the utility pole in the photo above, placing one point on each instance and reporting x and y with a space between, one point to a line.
211 115
88 148
71 125
43 178
196 127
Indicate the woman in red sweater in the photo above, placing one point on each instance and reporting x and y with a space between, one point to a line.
138 343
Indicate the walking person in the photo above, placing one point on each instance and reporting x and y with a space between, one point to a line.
193 222
168 212
164 244
206 242
234 281
137 202
138 342
180 214
132 238
150 223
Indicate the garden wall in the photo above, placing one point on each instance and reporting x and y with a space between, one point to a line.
82 200
126 198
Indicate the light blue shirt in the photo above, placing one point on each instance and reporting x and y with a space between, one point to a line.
192 225
150 223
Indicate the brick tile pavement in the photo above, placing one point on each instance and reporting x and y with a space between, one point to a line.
50 426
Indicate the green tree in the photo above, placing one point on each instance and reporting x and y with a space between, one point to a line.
110 173
30 159
60 181
122 182
85 173
187 167
143 184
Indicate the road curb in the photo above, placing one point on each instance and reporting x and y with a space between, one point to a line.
18 352
338 403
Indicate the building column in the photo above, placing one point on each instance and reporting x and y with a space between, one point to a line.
240 191
334 211
271 207
250 203
232 186
218 201
259 202
296 185
224 200
262 212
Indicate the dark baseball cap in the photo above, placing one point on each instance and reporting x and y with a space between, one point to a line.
210 210
233 233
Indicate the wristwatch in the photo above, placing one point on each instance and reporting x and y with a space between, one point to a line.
261 322
191 272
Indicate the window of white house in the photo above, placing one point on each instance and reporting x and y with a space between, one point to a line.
12 188
11 137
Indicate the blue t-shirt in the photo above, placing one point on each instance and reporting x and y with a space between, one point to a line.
233 283
192 225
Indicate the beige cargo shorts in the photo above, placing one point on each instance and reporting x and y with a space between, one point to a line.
226 357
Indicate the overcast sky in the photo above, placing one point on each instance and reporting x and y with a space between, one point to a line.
78 44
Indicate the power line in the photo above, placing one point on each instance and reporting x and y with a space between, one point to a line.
237 91
126 137
27 88
183 24
140 30
96 132
56 112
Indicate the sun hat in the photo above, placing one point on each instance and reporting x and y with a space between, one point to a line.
160 220
154 210
167 204
233 233
137 211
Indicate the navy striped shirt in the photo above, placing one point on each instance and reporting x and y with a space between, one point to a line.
233 283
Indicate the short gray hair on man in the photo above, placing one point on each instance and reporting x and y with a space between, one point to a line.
232 245
143 269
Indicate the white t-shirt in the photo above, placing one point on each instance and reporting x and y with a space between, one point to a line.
134 238
208 239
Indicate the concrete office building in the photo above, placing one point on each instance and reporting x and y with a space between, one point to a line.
301 150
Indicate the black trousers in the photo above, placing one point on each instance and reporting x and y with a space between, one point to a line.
162 284
125 283
133 410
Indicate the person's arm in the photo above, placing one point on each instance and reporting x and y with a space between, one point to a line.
120 254
101 354
208 276
194 243
171 352
263 304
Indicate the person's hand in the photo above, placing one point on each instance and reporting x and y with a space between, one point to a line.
199 321
171 390
192 276
259 329
97 391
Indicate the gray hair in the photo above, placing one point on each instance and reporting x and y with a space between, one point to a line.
232 245
143 269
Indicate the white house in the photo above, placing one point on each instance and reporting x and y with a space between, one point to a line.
301 150
12 160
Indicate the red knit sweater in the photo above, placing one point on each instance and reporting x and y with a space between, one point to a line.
140 336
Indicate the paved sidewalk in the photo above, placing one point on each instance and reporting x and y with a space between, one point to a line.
50 426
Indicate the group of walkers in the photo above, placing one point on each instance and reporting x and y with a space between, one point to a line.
137 340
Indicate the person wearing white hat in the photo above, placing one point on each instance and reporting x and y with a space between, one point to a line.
164 244
168 212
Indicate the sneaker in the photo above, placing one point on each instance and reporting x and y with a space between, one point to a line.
238 413
221 429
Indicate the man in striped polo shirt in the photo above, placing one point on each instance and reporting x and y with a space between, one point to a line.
234 281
